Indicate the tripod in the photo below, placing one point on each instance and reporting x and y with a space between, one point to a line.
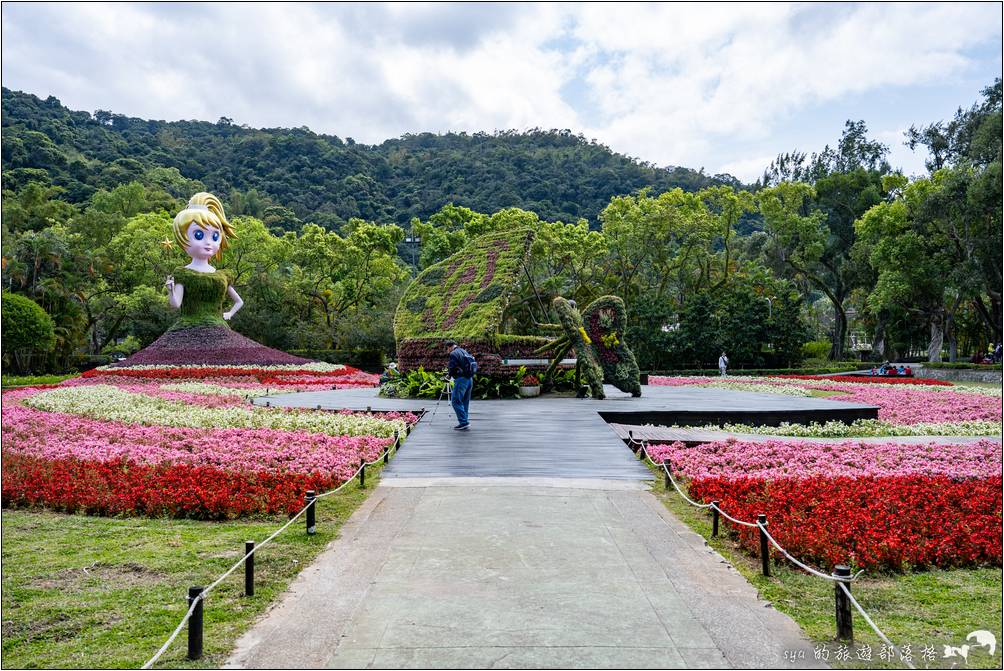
446 390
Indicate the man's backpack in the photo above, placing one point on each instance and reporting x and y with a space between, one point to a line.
470 365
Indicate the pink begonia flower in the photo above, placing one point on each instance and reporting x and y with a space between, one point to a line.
777 459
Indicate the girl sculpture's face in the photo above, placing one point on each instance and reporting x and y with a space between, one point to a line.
203 243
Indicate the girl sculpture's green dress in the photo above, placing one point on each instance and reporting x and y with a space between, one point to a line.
204 296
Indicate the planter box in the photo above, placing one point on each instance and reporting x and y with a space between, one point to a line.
529 392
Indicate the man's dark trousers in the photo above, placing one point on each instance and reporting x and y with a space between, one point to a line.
461 399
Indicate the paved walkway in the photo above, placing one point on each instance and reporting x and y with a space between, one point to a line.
530 541
436 573
550 437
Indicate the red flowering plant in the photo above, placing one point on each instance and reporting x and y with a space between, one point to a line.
530 381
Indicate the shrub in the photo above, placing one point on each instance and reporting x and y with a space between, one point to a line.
816 349
27 330
364 359
962 365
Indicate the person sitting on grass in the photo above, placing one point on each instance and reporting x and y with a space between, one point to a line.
462 367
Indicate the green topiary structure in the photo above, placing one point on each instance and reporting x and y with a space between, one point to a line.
27 329
464 298
574 338
606 321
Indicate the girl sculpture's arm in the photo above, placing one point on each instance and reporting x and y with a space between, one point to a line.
175 292
238 302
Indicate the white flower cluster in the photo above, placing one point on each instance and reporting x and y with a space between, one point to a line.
109 403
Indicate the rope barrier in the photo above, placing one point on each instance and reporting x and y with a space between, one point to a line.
840 581
191 609
874 627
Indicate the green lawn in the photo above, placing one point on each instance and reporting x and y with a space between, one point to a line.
920 608
25 380
91 592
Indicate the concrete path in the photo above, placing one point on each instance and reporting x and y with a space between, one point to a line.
514 573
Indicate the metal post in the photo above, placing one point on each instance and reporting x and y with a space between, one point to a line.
631 440
764 550
362 474
845 625
311 513
249 568
195 624
714 517
666 482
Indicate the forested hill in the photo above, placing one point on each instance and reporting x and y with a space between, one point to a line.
323 178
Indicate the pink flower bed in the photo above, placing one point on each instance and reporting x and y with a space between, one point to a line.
914 406
897 405
53 436
773 459
71 462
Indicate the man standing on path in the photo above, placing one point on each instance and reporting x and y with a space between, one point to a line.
723 363
462 367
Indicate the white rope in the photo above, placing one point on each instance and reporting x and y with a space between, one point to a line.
815 572
170 640
841 581
871 624
207 590
732 519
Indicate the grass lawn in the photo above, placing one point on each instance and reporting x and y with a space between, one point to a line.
921 608
25 380
92 592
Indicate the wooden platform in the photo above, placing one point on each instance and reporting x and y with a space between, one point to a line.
690 436
555 437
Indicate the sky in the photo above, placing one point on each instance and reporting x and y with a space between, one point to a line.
724 87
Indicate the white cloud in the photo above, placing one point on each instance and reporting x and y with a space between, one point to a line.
715 85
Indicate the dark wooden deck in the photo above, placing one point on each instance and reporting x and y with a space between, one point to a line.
555 437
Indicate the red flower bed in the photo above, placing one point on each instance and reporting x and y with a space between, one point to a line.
871 522
865 379
199 373
172 490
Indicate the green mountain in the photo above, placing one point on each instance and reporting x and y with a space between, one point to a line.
324 178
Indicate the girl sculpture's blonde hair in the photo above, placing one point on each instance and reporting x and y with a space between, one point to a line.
206 210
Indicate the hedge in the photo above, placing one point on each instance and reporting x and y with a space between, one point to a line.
961 365
365 359
760 371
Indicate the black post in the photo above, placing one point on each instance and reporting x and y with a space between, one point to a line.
631 440
764 550
195 624
666 482
714 517
249 568
362 474
311 513
845 626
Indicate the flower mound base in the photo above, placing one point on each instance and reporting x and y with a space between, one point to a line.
207 345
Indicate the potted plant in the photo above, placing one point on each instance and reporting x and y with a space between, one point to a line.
529 386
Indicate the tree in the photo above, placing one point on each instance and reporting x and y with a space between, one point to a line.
965 157
342 277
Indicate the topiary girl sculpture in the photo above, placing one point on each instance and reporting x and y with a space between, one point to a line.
198 289
201 336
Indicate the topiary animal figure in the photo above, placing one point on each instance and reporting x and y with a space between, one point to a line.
606 321
574 337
